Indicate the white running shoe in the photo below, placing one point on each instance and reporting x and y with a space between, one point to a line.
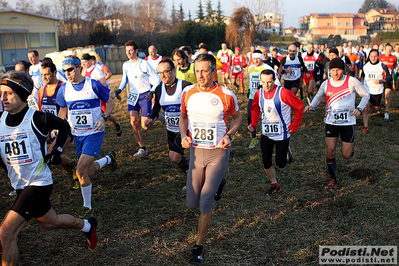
386 116
141 153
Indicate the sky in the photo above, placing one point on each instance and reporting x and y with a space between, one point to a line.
291 9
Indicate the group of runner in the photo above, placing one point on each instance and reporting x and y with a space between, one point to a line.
196 109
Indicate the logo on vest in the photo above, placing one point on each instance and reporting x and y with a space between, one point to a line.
215 101
269 109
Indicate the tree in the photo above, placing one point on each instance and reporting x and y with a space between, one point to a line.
25 5
209 11
372 4
4 4
96 9
241 30
173 15
181 13
189 15
200 12
101 35
219 12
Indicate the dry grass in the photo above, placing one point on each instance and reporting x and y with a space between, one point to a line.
144 220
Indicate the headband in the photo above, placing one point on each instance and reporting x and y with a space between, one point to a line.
71 61
20 90
257 55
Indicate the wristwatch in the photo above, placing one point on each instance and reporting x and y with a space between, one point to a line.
105 117
59 149
229 135
360 109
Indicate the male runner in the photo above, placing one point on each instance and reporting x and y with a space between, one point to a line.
237 65
339 93
292 66
375 74
224 55
139 75
168 97
153 57
395 72
81 98
309 58
391 62
23 133
184 69
204 111
275 103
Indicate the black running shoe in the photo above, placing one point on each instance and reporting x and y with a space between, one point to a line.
113 163
197 255
118 129
91 235
273 190
218 194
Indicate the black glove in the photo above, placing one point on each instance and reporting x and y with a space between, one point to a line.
117 92
54 157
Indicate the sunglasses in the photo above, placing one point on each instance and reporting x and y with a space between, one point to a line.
69 70
165 72
291 51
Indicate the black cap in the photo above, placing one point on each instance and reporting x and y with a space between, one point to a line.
337 63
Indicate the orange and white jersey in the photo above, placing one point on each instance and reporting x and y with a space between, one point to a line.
207 113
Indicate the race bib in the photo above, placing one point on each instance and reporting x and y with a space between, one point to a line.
372 75
132 98
224 59
290 75
237 69
271 128
309 65
172 121
82 120
32 103
17 148
204 135
341 115
255 82
52 109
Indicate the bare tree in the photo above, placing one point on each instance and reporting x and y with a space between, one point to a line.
25 6
151 15
4 4
96 9
241 31
45 9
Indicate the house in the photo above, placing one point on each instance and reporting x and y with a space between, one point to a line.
269 23
22 31
347 25
382 19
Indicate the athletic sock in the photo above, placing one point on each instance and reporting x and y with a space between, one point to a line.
332 168
86 226
183 165
86 194
253 134
198 247
103 161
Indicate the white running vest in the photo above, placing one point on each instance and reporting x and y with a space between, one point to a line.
276 116
171 105
20 149
295 68
372 73
84 108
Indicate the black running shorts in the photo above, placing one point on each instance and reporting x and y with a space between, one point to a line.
347 132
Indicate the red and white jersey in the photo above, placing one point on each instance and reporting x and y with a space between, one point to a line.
94 72
340 100
154 62
207 113
238 63
390 61
310 60
224 56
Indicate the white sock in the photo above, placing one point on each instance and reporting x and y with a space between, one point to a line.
86 194
86 226
103 161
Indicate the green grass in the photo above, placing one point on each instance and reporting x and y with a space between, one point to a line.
144 220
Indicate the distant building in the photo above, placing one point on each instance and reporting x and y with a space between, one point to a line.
291 31
304 22
22 31
347 25
270 23
75 26
382 19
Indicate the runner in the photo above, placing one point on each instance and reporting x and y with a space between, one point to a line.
184 69
189 53
34 72
249 55
23 154
139 75
153 57
292 66
81 98
274 60
354 59
101 66
168 97
204 111
237 65
204 49
391 62
224 55
92 71
275 103
339 93
375 74
395 72
254 83
309 58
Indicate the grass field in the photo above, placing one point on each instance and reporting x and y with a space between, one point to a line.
144 220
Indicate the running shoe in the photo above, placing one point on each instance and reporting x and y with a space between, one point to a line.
91 235
197 255
386 116
273 190
141 153
331 184
12 193
113 163
86 213
253 143
365 130
118 129
290 157
218 194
